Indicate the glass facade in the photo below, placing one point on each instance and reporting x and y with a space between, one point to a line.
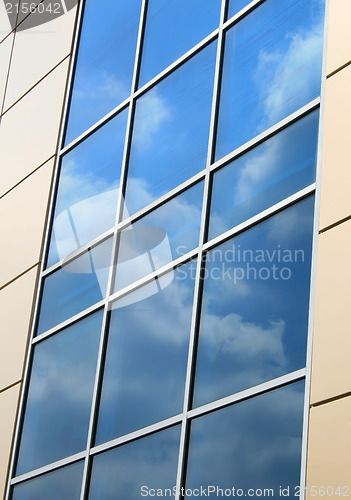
169 345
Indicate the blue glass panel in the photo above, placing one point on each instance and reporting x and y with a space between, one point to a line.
272 67
171 130
172 28
267 174
76 286
147 354
62 484
255 306
88 189
59 397
255 444
105 63
235 6
163 235
123 471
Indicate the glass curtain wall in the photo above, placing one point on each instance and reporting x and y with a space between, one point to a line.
168 353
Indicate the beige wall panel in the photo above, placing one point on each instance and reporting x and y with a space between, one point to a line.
5 53
336 171
329 457
36 51
339 34
8 408
16 305
5 26
331 367
22 219
29 130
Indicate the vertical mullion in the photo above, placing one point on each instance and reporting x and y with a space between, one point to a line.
112 271
184 438
39 286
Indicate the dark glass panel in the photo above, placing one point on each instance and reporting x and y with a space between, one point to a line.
267 174
163 235
61 484
147 353
173 28
123 471
88 189
272 67
255 306
60 393
171 130
252 445
76 286
105 63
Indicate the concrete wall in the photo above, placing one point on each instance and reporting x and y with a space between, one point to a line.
329 456
33 75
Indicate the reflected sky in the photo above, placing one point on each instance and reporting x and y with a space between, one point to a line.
252 444
60 393
267 174
88 189
76 286
255 307
63 484
105 63
272 67
146 359
121 472
163 235
172 28
171 130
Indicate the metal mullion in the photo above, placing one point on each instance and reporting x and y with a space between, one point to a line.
132 436
78 253
313 282
184 439
242 13
266 134
152 276
256 219
270 385
111 279
48 468
39 288
68 322
84 135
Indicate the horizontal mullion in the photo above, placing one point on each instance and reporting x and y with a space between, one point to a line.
242 13
263 136
70 321
145 431
260 217
248 393
49 468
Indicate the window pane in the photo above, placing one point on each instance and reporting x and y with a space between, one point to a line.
255 306
173 28
165 234
121 472
147 354
267 174
62 484
235 6
76 286
88 189
59 396
105 63
272 67
255 444
171 131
